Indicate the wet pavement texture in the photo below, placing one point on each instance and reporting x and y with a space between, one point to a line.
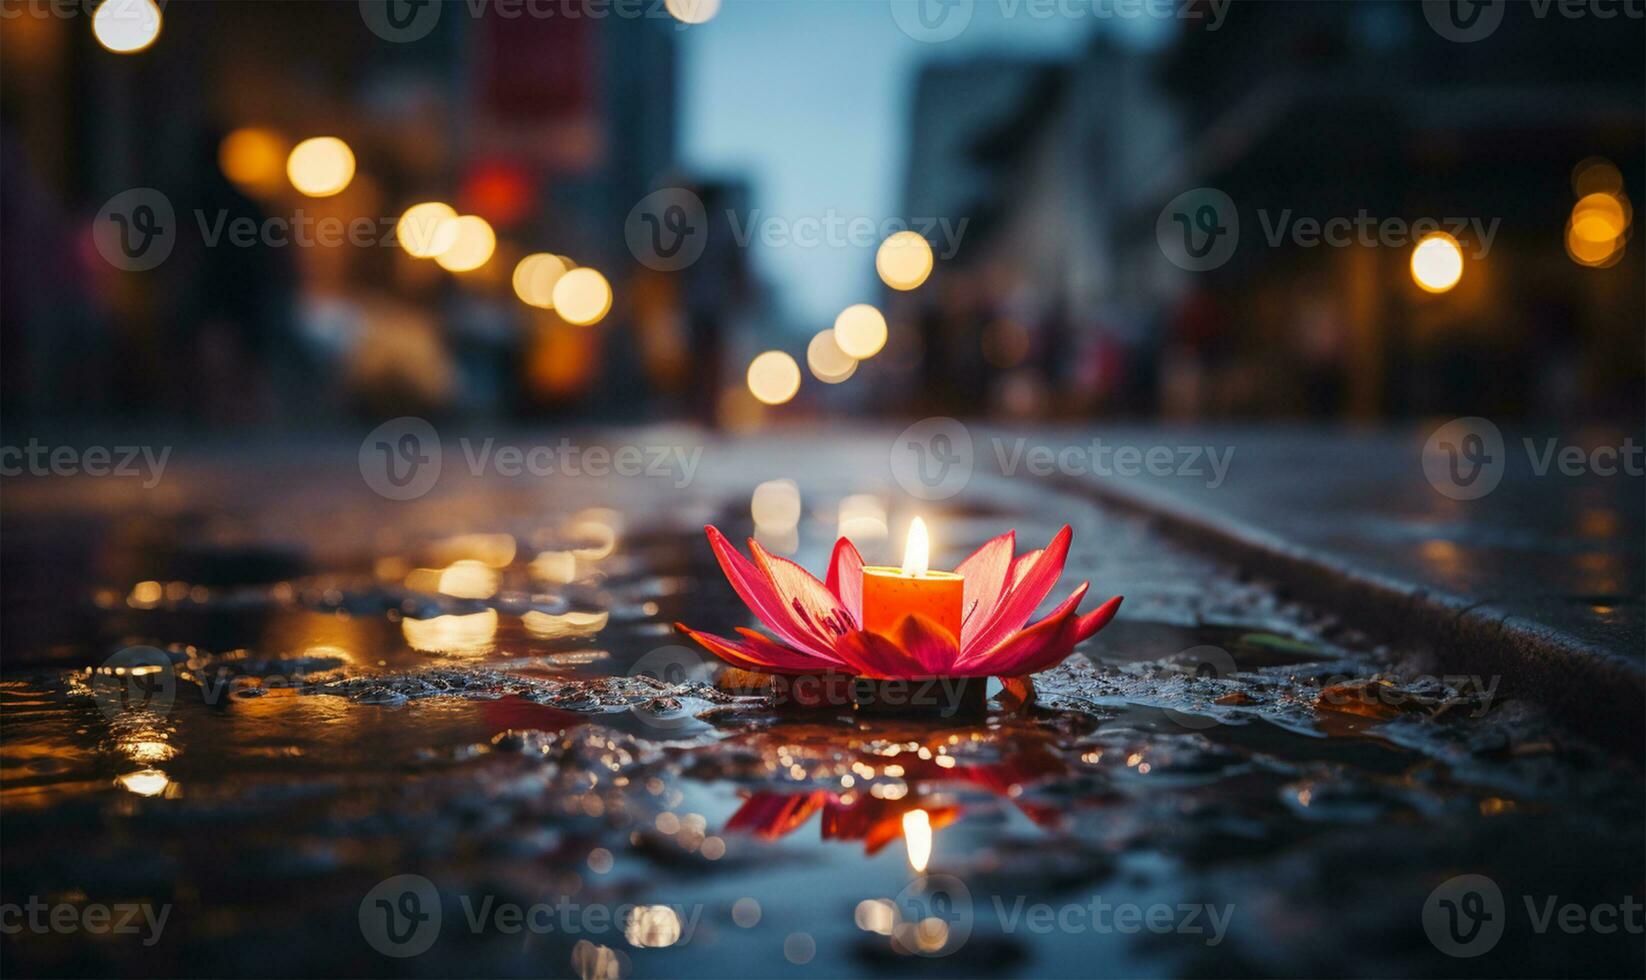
1555 542
481 687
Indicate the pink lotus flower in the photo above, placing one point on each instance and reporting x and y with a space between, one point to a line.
817 624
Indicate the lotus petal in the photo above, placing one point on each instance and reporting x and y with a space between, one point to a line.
1031 588
761 596
985 570
846 577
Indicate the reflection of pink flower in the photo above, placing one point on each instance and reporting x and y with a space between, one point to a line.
876 822
817 625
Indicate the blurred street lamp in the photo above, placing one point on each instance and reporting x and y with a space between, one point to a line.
254 159
426 230
904 260
126 26
692 11
774 377
471 248
582 297
320 166
829 364
535 277
860 331
1437 262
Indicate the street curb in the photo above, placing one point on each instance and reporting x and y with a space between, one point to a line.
1591 689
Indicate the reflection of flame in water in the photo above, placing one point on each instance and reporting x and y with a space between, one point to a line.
653 926
472 633
876 915
599 527
551 626
593 961
554 567
468 579
150 749
145 782
917 834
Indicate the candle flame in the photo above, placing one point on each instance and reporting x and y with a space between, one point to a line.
917 834
917 550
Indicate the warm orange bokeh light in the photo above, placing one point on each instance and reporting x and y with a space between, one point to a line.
320 166
774 377
860 331
427 229
1437 263
904 260
535 277
254 158
582 297
471 248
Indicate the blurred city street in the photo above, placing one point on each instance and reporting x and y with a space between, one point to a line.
839 488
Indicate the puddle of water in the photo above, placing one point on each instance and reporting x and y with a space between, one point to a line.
503 710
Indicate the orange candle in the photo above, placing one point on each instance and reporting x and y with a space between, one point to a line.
890 593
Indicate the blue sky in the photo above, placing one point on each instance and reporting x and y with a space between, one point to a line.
807 99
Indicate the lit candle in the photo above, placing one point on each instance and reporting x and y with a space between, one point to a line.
890 594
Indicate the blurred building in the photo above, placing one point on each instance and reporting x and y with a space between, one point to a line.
1307 111
548 125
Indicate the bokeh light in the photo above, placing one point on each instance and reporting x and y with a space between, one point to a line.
774 377
1599 224
254 158
1596 175
320 166
692 11
126 26
1601 217
425 230
1437 262
829 364
904 260
775 504
535 277
471 248
860 331
582 297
